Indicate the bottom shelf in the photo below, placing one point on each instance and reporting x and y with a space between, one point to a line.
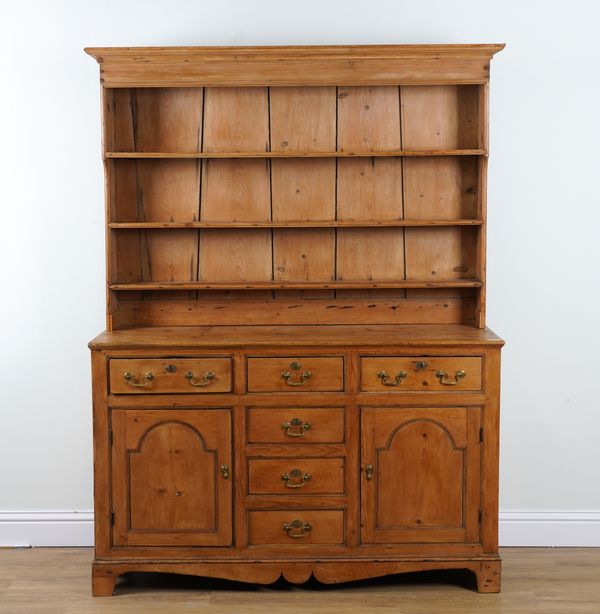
297 285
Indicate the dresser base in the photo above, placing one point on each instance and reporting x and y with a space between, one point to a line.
486 569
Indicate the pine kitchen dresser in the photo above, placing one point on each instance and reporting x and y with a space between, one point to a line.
296 376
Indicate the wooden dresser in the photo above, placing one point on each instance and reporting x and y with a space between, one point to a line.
296 377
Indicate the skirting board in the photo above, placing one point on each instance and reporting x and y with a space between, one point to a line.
517 528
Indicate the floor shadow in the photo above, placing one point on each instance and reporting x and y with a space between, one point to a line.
135 582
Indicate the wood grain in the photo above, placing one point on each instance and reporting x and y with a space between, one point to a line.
248 336
369 120
303 119
315 65
349 312
326 527
236 119
420 474
166 485
399 153
313 476
324 374
265 425
157 119
440 116
169 375
298 224
238 267
421 373
325 201
440 188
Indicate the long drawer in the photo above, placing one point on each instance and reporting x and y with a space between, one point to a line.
296 374
423 373
160 375
295 425
296 476
296 527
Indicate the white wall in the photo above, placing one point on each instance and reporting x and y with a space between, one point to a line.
544 212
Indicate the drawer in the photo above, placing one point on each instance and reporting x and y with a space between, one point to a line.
424 373
296 476
296 374
157 375
296 527
293 425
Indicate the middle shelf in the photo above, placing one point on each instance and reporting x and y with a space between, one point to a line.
295 224
397 153
296 285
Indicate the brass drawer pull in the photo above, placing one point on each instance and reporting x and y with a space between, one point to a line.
297 528
129 379
386 381
295 478
443 377
225 471
295 427
369 469
287 376
205 381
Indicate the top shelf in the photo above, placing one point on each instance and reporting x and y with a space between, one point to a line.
297 154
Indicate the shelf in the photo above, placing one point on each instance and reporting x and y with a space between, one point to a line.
298 224
296 285
296 154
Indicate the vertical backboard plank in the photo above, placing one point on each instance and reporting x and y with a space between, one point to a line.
369 188
303 119
235 120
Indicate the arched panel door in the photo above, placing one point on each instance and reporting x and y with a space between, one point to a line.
420 477
171 477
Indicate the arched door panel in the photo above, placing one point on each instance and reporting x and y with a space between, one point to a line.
420 474
169 487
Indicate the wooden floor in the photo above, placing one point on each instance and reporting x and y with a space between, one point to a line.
535 581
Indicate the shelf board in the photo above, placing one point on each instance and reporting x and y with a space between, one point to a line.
293 224
296 285
296 154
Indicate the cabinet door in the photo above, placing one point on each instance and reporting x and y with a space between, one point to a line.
171 477
420 478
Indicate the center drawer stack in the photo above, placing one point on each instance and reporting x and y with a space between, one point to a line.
296 452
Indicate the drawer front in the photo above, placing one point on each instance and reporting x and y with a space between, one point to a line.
296 527
296 476
296 374
293 425
158 375
423 373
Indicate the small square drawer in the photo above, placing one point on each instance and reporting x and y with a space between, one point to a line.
296 374
296 527
423 373
293 425
311 476
181 375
